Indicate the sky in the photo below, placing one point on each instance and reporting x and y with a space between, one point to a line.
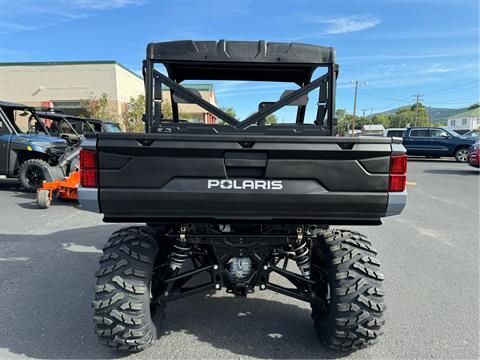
399 48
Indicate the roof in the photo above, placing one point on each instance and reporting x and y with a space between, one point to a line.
13 105
470 113
56 63
59 116
373 128
240 60
240 51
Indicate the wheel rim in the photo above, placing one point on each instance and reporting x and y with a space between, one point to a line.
34 176
462 155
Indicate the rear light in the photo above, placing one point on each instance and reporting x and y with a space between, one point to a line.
397 183
398 173
88 168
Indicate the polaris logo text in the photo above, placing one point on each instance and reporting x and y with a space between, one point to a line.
228 184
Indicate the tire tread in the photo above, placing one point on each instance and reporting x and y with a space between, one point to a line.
356 310
122 298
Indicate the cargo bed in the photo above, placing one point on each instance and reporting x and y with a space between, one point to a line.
269 174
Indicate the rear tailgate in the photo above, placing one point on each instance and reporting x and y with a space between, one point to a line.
150 177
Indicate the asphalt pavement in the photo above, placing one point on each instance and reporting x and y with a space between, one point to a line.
429 254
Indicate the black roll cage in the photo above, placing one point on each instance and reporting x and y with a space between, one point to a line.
67 118
16 129
154 79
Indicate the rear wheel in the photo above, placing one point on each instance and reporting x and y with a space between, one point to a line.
122 304
461 155
348 282
32 174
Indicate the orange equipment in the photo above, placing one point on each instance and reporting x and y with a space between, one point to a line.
64 189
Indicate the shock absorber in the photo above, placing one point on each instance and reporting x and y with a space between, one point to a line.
180 251
301 253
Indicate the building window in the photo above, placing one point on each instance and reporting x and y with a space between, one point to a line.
464 121
453 123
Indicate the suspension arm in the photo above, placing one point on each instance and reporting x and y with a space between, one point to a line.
297 294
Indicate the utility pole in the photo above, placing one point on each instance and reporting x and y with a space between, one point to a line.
363 116
416 108
357 85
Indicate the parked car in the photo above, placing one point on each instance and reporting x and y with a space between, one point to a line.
473 157
26 147
436 142
395 132
241 199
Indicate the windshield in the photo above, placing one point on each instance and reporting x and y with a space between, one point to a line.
112 127
473 134
451 131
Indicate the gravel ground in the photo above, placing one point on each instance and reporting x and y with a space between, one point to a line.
430 257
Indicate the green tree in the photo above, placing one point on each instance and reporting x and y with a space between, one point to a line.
97 107
405 116
474 106
271 119
230 111
132 118
340 114
342 121
168 112
380 119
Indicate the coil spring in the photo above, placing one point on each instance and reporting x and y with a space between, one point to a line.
300 255
180 253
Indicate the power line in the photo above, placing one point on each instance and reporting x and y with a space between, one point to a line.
454 87
405 99
458 101
384 97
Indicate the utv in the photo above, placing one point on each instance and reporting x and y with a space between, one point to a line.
27 150
240 201
73 128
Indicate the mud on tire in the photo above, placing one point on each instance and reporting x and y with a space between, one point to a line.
353 317
122 294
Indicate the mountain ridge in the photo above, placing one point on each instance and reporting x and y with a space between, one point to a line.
438 115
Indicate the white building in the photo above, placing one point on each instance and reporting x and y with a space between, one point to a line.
376 130
468 120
